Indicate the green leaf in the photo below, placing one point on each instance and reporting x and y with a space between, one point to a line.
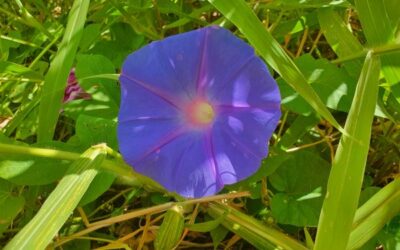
389 236
105 93
205 226
78 244
299 127
100 184
27 170
347 172
29 126
56 77
301 184
94 130
90 35
393 107
91 65
268 167
61 202
295 24
21 115
332 84
123 34
140 24
186 18
10 205
367 193
240 14
159 198
218 234
10 169
116 166
34 171
13 69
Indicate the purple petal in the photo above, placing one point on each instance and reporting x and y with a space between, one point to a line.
142 137
183 165
170 65
223 56
139 102
239 142
252 86
197 174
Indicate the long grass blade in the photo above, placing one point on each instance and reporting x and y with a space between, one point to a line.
56 77
244 18
38 233
347 172
252 230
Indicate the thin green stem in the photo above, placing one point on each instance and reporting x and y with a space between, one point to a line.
47 48
12 15
387 48
39 152
12 39
20 115
19 79
30 20
114 77
114 166
377 51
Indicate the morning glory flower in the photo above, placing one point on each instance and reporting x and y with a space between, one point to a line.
197 111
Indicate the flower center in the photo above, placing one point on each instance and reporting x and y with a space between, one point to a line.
200 113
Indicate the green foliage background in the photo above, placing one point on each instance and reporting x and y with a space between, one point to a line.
331 180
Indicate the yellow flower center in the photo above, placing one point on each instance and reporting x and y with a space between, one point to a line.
200 113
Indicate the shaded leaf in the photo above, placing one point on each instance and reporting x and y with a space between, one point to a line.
94 130
301 182
333 85
10 205
104 92
100 184
205 226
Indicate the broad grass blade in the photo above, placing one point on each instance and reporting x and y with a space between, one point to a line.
374 214
171 229
56 77
240 14
39 232
347 172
